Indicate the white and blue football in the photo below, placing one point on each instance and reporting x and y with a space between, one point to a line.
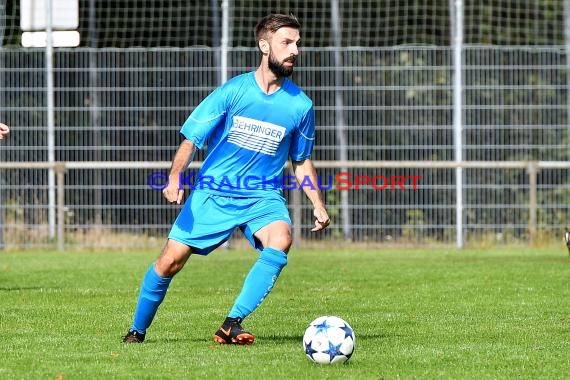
329 340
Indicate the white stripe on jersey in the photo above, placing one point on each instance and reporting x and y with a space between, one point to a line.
259 136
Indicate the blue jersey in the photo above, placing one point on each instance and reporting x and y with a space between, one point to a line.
249 135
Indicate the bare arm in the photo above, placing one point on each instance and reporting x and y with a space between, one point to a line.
306 170
174 192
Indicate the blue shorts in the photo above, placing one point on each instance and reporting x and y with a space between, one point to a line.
207 220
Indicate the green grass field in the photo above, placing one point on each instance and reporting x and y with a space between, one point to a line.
417 314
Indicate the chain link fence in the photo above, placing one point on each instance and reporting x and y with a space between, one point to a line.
391 99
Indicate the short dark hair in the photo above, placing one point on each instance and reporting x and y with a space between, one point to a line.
273 22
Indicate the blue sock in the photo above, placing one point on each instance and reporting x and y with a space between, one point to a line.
259 282
153 290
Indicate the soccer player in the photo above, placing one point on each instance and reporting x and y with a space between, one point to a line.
4 131
251 125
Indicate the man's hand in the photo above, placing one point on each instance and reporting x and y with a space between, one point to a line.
4 131
173 192
322 219
306 170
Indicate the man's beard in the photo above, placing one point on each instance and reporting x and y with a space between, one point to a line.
277 67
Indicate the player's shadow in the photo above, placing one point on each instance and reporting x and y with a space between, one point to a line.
262 339
298 338
281 338
158 340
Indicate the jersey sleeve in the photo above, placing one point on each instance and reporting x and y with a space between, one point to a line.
210 113
303 137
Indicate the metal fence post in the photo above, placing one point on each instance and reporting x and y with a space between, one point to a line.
340 127
60 175
50 110
296 205
532 171
456 12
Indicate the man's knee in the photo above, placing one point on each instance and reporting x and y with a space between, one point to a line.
279 238
285 242
172 259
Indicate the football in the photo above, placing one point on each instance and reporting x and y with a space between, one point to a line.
329 340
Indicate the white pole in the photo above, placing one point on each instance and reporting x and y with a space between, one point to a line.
339 115
458 114
50 118
225 41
